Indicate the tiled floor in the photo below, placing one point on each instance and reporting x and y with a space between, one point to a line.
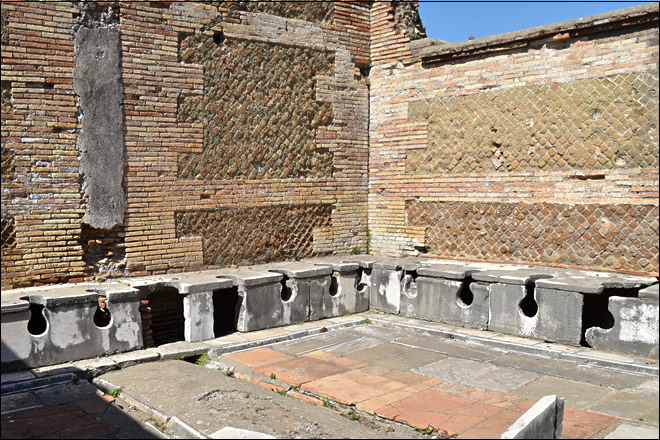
454 387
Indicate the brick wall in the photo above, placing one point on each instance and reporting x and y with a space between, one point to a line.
258 110
252 133
537 147
41 199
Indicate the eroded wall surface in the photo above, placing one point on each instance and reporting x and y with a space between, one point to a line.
242 137
537 146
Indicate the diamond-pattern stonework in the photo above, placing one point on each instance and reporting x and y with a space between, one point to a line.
8 233
602 123
4 27
255 235
7 153
316 12
7 165
597 236
259 110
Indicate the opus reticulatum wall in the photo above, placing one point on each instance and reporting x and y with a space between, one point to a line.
142 138
246 118
538 146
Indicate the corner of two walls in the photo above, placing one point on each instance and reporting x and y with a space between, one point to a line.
270 131
543 154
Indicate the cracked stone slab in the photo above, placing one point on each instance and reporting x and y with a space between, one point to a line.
249 277
299 270
595 282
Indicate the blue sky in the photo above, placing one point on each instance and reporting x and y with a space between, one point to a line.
456 21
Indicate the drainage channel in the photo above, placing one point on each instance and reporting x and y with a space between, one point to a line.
504 346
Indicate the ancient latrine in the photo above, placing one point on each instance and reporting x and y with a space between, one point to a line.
172 146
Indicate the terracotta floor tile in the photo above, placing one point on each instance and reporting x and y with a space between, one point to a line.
375 370
306 398
524 405
296 372
493 426
478 409
323 355
94 405
388 411
431 383
258 357
405 377
587 417
417 418
372 405
495 398
579 430
456 424
352 387
349 363
270 386
433 401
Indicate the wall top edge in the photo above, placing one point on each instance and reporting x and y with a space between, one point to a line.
430 50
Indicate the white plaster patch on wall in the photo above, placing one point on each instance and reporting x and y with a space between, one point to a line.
242 313
69 334
527 324
639 323
286 305
128 332
392 290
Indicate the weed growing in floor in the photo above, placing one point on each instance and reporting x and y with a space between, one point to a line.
202 359
329 405
366 321
156 424
115 393
352 416
281 392
374 425
425 431
272 376
229 372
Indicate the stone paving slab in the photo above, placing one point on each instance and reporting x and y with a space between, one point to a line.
577 394
628 430
258 357
15 376
314 343
570 370
495 393
456 370
501 379
449 348
409 359
628 405
205 401
352 345
380 351
72 410
648 387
